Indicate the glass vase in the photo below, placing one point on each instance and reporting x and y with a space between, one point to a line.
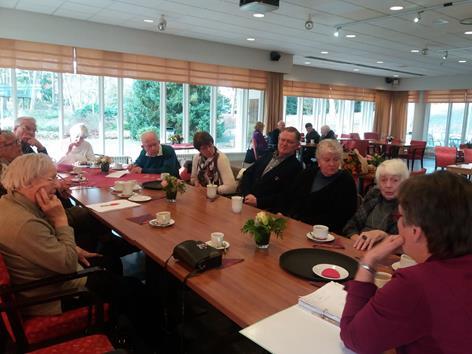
171 196
262 237
105 167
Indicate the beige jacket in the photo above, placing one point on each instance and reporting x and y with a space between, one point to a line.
33 249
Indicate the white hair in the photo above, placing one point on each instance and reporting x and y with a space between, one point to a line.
393 167
20 120
23 170
78 131
329 145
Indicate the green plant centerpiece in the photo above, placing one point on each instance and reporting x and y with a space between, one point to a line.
104 162
262 226
171 185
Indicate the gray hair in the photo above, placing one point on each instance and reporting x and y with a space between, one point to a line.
78 131
20 120
4 135
393 167
329 145
150 132
25 169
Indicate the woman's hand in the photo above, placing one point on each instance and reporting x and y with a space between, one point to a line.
83 255
366 240
383 250
52 207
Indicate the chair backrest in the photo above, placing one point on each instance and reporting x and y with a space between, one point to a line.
345 136
362 146
371 136
355 136
416 149
467 155
445 155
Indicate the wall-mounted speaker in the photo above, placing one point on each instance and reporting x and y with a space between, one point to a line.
274 56
392 81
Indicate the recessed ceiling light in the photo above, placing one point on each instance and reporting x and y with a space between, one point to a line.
468 32
414 51
350 36
308 62
380 62
324 52
396 8
395 75
258 15
462 61
149 21
355 69
250 39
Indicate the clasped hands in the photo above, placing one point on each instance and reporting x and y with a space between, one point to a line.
367 239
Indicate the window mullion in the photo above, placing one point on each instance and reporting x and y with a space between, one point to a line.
185 113
162 111
213 97
120 123
60 88
13 93
101 105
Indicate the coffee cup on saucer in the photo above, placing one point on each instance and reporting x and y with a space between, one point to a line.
118 186
163 217
128 187
320 232
406 261
217 239
236 204
382 278
211 191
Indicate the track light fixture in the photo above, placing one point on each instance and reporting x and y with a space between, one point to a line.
418 17
336 33
161 26
445 55
309 23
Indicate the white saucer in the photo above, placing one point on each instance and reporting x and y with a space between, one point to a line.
139 198
136 188
154 223
224 246
319 268
77 179
313 238
121 195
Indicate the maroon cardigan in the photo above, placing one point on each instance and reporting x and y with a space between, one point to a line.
426 308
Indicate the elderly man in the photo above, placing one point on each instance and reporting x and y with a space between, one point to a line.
269 177
10 149
155 158
25 130
274 135
312 136
327 133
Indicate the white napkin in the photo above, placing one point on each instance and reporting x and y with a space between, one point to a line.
112 205
117 174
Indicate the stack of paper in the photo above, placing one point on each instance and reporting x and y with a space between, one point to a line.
117 174
327 302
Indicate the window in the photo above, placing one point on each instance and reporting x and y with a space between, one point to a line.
110 116
228 115
455 124
437 124
199 108
6 101
468 134
174 109
37 95
141 110
409 121
254 113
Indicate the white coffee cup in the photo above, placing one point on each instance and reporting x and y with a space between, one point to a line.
128 187
320 232
164 175
77 169
117 166
382 278
211 191
236 204
163 217
118 186
406 261
217 239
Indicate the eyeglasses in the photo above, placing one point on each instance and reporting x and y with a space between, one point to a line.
28 128
396 215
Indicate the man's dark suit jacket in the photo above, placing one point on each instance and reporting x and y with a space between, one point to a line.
268 189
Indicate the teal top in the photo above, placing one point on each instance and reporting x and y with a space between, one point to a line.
167 162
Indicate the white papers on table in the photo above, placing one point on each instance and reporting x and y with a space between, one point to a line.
117 174
312 326
327 302
112 205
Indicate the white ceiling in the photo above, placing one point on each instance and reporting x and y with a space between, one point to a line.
381 34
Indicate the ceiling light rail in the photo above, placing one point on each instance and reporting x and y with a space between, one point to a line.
416 11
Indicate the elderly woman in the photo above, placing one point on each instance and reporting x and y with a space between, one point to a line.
325 194
425 308
374 219
36 240
211 166
79 150
259 144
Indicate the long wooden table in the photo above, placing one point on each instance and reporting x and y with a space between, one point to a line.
462 169
245 292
